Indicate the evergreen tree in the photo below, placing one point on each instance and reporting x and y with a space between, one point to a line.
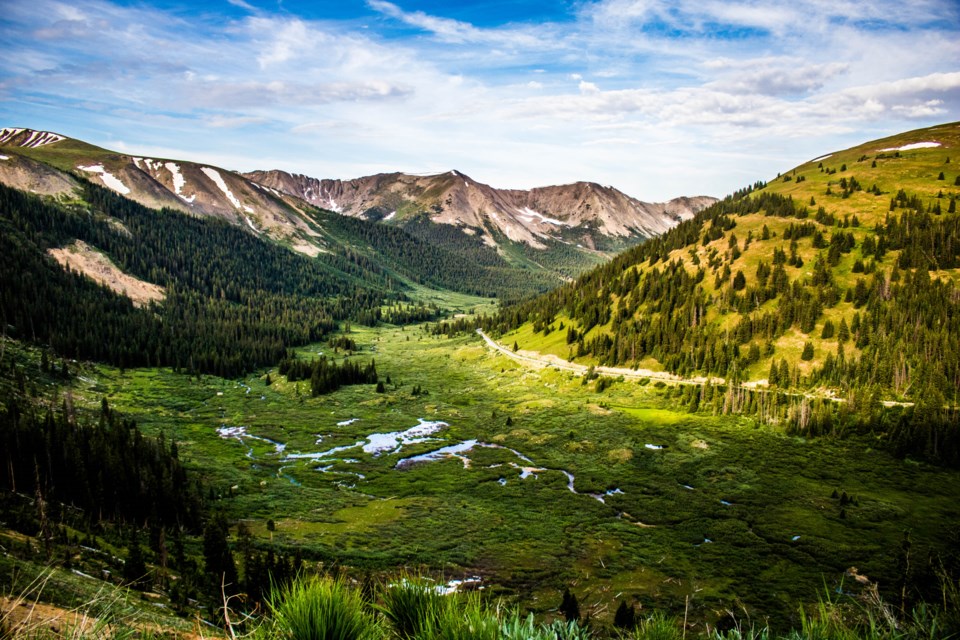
843 333
739 281
827 332
570 606
625 617
135 568
220 568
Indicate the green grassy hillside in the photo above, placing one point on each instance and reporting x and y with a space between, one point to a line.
838 278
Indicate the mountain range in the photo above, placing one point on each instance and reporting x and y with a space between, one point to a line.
585 218
584 213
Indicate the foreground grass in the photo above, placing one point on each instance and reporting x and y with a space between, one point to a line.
328 609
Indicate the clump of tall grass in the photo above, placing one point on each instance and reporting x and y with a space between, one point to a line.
319 609
657 627
741 632
412 606
513 627
464 618
416 609
571 630
867 617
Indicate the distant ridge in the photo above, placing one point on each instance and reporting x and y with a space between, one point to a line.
583 213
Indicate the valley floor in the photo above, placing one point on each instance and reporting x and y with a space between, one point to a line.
472 465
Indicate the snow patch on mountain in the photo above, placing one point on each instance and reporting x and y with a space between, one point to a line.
332 204
527 211
179 181
912 146
34 138
214 175
109 180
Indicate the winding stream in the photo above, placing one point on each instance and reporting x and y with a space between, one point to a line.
379 444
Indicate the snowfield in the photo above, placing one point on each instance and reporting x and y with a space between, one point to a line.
912 146
110 180
214 175
527 211
34 140
178 181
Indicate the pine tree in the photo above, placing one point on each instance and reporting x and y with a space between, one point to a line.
218 559
135 568
827 332
843 333
570 607
739 281
784 375
625 617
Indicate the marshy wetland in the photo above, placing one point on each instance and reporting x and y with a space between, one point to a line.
470 464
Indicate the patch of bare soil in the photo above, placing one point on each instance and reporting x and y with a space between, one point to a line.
81 257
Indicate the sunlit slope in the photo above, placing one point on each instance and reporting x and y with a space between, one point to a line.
918 162
839 273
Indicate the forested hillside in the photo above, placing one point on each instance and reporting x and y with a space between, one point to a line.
838 277
438 256
233 301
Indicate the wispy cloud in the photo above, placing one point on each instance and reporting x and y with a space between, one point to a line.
642 94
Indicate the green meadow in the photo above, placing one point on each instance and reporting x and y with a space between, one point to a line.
617 495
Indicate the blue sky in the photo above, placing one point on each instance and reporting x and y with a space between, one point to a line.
658 98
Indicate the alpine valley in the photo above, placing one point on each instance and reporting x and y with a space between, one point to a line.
730 418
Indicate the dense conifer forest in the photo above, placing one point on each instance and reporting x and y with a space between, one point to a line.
98 470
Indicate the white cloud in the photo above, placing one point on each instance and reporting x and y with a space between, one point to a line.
243 5
782 80
227 122
289 40
456 31
927 109
588 87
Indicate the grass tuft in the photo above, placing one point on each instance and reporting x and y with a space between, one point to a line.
319 609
